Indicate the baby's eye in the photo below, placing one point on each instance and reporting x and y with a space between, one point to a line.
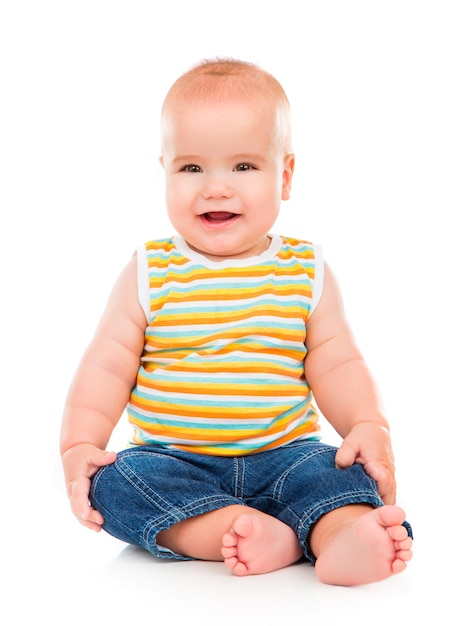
191 168
244 167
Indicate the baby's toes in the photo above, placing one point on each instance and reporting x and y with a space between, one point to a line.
231 563
229 540
406 544
229 552
404 555
397 533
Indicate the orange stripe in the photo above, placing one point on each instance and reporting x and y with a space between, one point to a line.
210 367
215 412
251 347
181 319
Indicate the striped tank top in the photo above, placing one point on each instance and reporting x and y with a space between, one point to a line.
222 369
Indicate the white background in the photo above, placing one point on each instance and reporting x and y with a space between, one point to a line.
371 89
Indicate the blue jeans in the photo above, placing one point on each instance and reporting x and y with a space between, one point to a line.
150 488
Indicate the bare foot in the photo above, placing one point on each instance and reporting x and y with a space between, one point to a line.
366 549
258 543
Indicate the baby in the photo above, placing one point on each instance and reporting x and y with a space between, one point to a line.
220 341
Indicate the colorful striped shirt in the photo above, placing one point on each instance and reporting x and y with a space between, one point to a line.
222 369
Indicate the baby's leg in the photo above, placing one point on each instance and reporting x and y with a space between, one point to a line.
356 544
200 537
249 541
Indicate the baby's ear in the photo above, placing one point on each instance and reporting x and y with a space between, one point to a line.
287 176
161 161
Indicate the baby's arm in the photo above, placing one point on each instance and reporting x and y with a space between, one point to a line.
100 391
345 391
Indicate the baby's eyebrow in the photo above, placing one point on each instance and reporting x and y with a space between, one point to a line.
240 157
247 157
187 158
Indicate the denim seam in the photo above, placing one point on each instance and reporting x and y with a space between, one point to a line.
148 494
280 483
351 497
238 473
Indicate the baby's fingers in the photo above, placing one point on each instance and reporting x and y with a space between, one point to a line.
81 507
345 456
385 481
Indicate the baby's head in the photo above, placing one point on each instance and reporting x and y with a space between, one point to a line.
217 81
226 151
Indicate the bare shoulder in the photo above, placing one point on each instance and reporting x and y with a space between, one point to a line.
123 308
328 319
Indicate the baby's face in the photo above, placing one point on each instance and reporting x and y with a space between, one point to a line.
226 175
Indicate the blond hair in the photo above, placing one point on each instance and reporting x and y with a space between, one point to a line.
218 80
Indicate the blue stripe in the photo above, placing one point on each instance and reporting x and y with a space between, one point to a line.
198 401
256 328
253 308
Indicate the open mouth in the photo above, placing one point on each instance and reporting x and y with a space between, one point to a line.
219 217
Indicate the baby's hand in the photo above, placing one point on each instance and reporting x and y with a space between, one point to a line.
369 443
80 463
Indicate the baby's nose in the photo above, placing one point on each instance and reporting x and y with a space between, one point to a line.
217 187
